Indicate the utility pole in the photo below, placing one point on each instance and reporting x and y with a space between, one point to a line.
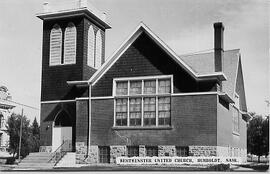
20 142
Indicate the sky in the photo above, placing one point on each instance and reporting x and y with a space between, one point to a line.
184 25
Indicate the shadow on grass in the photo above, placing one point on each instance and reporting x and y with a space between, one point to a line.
257 166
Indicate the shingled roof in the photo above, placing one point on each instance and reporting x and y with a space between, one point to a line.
204 64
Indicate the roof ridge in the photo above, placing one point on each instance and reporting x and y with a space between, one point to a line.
191 54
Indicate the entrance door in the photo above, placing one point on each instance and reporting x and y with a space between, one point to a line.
61 135
62 132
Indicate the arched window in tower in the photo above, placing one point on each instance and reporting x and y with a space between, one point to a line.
91 47
98 49
70 44
55 45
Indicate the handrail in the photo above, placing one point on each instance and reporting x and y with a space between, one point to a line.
60 151
54 153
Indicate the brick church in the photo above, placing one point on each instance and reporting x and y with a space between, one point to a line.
145 100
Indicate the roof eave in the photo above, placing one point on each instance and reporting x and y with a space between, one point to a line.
225 97
78 83
220 76
246 115
72 13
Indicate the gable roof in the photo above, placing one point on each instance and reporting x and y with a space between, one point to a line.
142 28
204 63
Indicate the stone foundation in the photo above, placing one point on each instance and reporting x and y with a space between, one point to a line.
142 151
45 149
202 150
166 151
81 153
92 155
117 151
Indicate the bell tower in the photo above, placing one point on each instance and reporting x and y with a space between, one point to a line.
73 49
73 46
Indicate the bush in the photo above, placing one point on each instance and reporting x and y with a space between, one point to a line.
220 167
10 160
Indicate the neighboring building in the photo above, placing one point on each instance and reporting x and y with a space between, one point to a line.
5 107
144 101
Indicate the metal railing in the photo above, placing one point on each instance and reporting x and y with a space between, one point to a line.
60 152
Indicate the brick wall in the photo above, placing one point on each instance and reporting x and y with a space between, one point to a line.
82 118
54 78
193 123
225 136
53 85
145 58
48 112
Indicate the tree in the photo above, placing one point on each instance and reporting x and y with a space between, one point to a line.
265 129
35 133
257 135
13 130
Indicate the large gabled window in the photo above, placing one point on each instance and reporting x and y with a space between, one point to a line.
143 101
55 45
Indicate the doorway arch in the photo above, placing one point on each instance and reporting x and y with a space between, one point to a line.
62 131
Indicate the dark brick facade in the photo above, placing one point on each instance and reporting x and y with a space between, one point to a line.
54 78
145 58
82 118
193 123
48 113
196 120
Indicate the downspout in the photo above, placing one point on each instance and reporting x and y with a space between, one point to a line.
89 121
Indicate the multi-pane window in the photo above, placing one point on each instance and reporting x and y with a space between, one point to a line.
55 45
236 114
70 44
104 154
164 107
135 87
133 151
148 101
149 114
236 120
122 88
164 86
151 151
135 111
181 151
149 87
121 112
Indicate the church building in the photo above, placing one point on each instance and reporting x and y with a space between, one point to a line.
144 100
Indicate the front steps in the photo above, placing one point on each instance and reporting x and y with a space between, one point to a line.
36 161
69 160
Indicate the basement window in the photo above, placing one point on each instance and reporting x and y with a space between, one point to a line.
151 151
104 154
133 151
182 151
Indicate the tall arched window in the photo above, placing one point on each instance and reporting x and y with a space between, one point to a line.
70 44
91 47
55 45
98 49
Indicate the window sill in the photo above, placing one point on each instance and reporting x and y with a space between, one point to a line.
236 133
142 128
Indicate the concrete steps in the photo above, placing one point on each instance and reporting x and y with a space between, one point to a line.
69 160
36 161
